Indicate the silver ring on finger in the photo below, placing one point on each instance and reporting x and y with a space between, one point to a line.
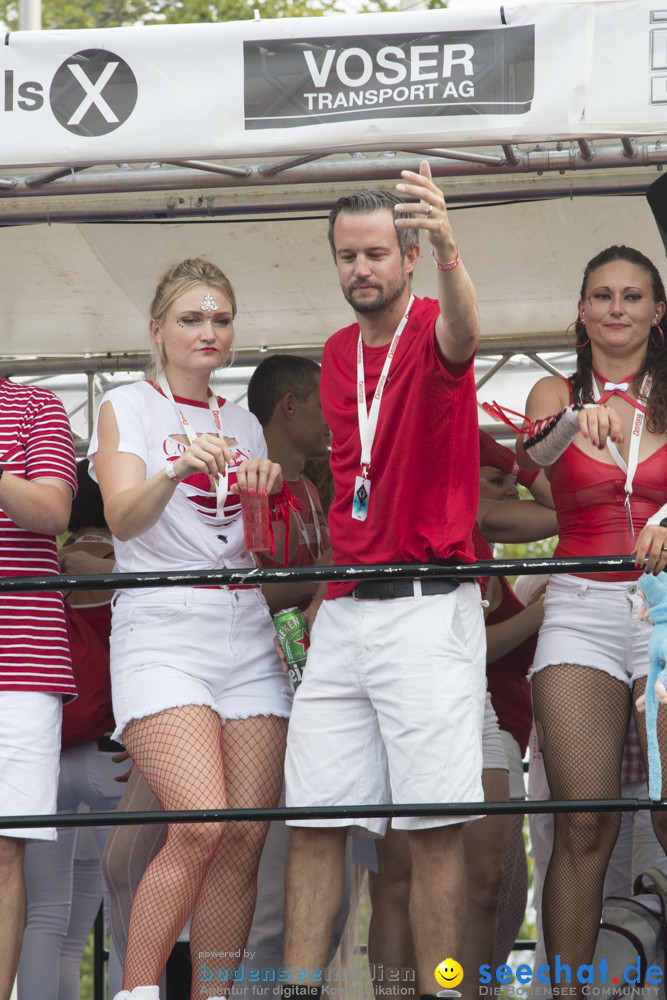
430 209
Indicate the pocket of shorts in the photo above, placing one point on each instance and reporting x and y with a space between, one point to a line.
143 617
467 622
558 600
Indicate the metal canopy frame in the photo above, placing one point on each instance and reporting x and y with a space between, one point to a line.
488 175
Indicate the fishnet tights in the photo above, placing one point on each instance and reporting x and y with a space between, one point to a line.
192 762
226 903
581 715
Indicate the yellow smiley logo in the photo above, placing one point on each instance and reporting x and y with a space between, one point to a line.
449 973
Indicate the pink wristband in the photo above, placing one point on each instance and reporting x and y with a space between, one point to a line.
446 267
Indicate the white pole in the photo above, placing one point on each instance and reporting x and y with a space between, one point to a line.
30 15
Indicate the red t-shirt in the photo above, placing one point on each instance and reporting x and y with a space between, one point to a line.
425 459
589 496
35 443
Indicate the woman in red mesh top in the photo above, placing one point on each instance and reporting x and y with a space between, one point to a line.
601 438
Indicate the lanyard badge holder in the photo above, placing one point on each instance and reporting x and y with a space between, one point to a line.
368 419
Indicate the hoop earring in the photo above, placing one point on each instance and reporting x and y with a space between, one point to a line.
577 347
656 326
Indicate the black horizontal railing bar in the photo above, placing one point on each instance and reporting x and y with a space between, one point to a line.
384 811
321 574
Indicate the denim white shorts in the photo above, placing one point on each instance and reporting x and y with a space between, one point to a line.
195 646
594 624
391 708
30 724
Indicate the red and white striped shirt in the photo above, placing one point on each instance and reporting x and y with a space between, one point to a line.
35 443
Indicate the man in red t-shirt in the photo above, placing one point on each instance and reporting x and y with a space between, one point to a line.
391 706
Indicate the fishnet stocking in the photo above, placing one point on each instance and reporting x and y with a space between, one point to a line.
186 758
178 751
582 748
253 751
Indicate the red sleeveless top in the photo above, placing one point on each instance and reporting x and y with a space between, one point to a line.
590 505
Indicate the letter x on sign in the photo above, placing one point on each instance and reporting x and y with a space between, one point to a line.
93 93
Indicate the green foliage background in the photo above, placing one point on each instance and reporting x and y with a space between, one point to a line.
122 13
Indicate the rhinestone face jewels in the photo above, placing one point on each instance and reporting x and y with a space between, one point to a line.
208 304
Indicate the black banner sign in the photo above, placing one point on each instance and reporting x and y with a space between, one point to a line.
308 81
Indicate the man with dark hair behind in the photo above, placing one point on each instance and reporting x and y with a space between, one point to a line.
278 376
284 395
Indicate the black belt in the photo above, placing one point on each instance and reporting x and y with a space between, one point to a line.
383 590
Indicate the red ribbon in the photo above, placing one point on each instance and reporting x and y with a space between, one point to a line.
281 504
499 412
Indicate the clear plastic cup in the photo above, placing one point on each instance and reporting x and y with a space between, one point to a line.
256 522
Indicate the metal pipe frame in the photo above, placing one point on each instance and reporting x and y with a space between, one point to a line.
321 574
537 159
383 811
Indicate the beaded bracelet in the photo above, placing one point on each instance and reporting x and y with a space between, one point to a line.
447 267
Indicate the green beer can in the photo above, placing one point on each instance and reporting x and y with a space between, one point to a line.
294 639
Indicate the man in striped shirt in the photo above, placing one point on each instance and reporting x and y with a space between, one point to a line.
37 483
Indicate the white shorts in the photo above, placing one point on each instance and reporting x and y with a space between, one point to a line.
514 765
594 624
493 749
390 708
29 758
195 646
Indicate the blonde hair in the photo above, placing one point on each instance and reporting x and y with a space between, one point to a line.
175 281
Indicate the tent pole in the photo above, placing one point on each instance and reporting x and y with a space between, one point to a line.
30 15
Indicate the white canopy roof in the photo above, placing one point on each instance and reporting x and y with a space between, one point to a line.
72 289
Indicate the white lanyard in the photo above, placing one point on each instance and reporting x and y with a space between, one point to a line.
368 419
221 480
633 454
304 531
